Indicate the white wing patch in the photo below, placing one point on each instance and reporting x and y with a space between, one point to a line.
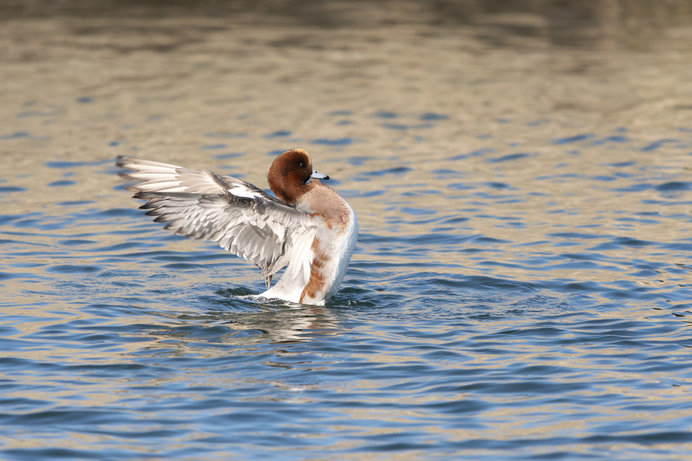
241 191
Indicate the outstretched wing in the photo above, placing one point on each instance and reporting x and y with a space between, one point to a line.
203 205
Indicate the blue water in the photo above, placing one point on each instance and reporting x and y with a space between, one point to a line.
457 331
521 287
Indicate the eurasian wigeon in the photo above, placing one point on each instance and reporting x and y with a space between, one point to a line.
308 227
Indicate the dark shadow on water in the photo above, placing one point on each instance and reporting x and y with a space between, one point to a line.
629 23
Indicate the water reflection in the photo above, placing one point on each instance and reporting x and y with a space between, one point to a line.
571 23
248 321
521 286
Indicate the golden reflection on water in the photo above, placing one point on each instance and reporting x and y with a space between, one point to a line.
507 81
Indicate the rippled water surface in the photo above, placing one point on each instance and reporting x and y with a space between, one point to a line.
521 287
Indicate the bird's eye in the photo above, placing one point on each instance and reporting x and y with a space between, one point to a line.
301 164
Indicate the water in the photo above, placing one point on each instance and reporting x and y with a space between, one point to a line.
521 288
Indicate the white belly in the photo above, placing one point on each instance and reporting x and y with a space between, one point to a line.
338 245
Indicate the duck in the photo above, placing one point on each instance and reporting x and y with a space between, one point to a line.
305 227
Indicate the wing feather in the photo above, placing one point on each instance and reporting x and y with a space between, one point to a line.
240 217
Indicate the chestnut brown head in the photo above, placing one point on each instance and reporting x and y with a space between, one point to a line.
290 173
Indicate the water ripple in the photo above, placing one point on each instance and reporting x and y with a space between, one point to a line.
521 287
